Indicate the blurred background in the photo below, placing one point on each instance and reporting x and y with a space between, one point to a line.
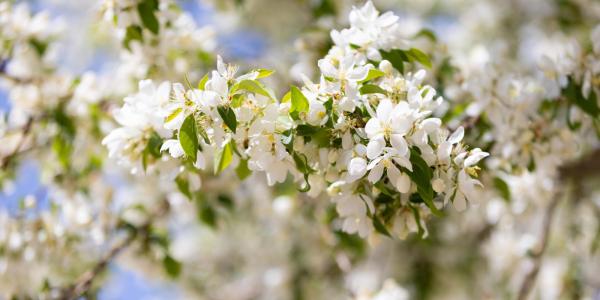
260 243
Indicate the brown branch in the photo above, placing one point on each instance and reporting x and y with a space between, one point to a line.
83 284
26 129
588 166
539 252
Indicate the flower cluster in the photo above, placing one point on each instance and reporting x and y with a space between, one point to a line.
365 132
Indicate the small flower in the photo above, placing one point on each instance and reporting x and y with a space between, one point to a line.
386 161
391 123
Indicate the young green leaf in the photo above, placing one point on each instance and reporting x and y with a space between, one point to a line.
172 267
188 137
415 54
380 227
415 211
263 73
146 10
373 73
287 97
252 86
372 89
502 187
573 93
184 186
202 82
224 158
428 33
421 176
396 57
299 101
132 33
228 116
207 214
242 170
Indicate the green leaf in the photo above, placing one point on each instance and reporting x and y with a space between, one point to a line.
40 47
299 101
188 137
428 33
63 150
263 73
154 143
228 116
184 186
207 214
172 267
132 33
287 97
415 54
306 130
225 201
573 93
380 227
396 57
372 89
202 82
302 163
242 170
146 10
252 86
417 216
502 188
237 100
173 114
421 176
224 158
373 73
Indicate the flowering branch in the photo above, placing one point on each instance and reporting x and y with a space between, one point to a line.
365 134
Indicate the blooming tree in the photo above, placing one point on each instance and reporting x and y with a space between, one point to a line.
393 154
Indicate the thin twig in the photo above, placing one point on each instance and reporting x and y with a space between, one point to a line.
588 166
26 129
539 252
83 284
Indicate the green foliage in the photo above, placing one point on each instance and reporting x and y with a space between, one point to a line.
263 73
228 116
242 170
574 95
252 86
380 226
206 213
421 175
299 102
373 74
224 157
372 89
146 9
416 55
502 188
202 82
132 33
302 165
428 33
188 137
324 8
184 186
152 149
417 215
39 46
172 267
398 57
